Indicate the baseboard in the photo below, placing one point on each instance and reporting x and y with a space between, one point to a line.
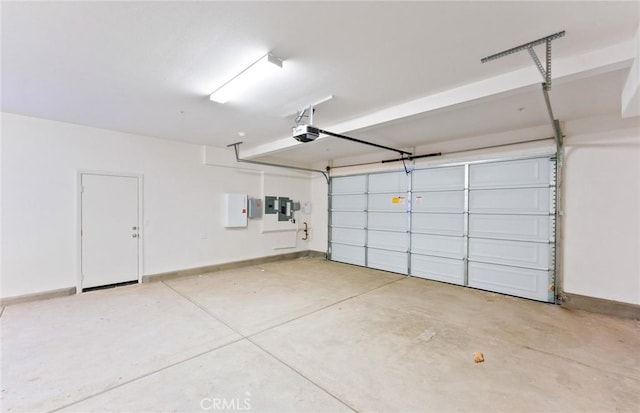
229 266
601 306
19 299
63 292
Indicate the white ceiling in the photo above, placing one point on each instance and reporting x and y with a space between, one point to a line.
585 97
148 67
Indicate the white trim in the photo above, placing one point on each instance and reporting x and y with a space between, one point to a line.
140 180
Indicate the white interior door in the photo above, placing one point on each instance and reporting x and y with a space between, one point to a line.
110 229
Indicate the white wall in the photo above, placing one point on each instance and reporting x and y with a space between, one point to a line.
602 214
182 201
319 212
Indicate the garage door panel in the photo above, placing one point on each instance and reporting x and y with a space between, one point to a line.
348 236
398 241
347 253
349 184
438 179
521 282
488 225
523 254
510 174
387 260
395 202
439 269
349 219
388 182
443 201
438 245
515 227
441 224
510 201
388 221
349 202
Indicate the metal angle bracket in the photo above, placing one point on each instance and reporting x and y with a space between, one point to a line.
545 70
236 148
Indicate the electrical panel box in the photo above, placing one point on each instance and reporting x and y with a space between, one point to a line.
284 208
270 204
235 210
255 208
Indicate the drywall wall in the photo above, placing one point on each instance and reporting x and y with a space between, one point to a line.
182 201
601 224
319 212
602 214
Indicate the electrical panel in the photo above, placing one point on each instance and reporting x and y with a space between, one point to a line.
281 206
284 208
255 208
235 210
270 204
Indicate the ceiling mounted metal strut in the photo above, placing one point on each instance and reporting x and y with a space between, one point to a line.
545 71
236 148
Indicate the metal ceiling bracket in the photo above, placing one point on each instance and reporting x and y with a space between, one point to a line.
544 71
554 122
236 148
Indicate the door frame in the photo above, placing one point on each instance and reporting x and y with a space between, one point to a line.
140 180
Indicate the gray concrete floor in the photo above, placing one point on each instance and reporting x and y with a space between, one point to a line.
313 335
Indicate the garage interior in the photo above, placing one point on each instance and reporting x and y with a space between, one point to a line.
425 206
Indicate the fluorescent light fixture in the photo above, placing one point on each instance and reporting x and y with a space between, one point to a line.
258 71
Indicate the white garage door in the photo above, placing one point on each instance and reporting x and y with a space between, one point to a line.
388 222
348 219
511 227
438 244
486 225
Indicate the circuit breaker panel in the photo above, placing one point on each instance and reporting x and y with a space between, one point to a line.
280 205
284 208
270 204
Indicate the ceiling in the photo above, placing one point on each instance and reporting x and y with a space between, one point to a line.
586 97
148 67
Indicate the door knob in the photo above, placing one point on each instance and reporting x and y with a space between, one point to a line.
134 235
134 228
